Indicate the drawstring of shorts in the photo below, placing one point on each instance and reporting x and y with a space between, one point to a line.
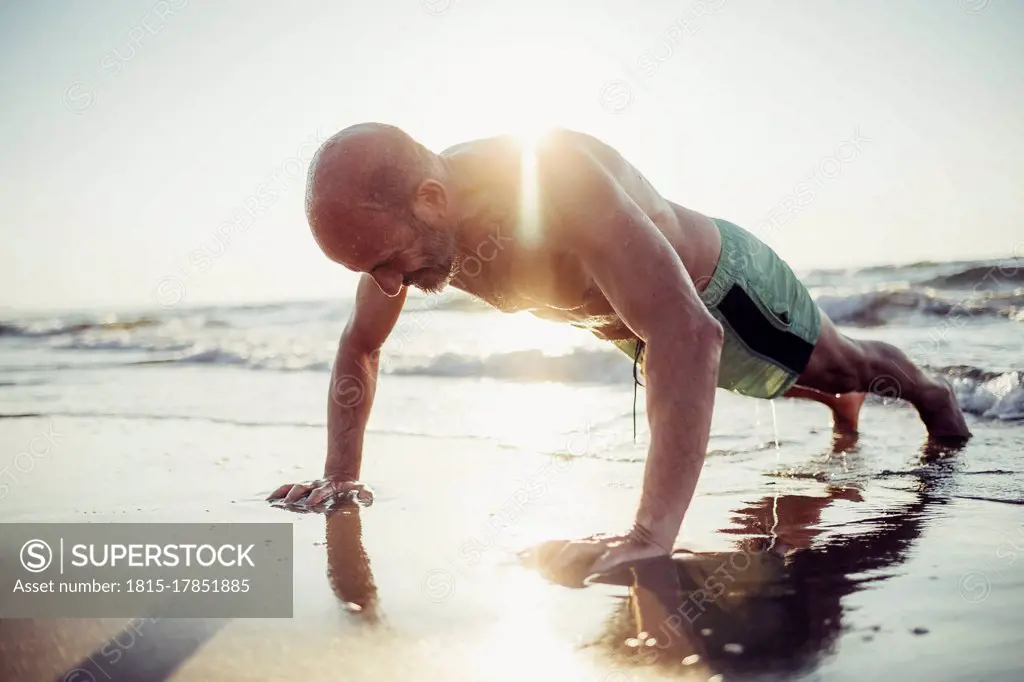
636 381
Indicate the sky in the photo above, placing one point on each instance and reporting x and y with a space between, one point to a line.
156 152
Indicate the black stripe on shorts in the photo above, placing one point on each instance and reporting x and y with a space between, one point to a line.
760 335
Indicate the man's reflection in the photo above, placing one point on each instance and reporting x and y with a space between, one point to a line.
348 566
775 604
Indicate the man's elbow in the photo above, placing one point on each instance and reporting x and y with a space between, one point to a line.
699 326
709 333
357 344
692 338
706 337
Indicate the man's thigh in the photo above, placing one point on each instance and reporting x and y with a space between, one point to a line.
836 364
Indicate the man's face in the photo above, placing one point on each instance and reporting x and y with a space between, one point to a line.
436 251
394 249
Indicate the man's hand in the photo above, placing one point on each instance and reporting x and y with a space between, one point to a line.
321 495
571 562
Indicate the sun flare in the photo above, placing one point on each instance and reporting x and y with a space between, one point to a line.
529 227
531 129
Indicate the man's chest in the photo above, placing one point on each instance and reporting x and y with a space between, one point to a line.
513 276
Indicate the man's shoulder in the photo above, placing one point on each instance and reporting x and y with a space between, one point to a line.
553 138
479 146
554 158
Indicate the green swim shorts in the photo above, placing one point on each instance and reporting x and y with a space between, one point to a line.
771 323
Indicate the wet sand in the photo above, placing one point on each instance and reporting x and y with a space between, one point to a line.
792 579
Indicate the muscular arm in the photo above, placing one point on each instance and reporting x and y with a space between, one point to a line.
645 281
354 377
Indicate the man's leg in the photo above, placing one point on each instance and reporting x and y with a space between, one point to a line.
845 406
843 365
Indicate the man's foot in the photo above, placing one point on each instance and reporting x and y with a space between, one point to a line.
942 415
844 442
846 412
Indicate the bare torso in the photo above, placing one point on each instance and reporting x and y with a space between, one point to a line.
511 271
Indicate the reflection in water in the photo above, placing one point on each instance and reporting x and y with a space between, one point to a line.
774 605
348 566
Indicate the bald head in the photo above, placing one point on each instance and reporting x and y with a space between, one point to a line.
367 165
374 193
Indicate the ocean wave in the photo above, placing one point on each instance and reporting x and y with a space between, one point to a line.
993 395
916 265
872 308
256 360
984 277
80 326
57 327
124 344
901 270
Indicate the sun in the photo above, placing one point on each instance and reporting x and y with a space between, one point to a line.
531 128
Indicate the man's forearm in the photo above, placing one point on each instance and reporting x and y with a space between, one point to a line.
353 383
682 374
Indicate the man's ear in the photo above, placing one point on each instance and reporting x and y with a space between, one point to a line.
431 201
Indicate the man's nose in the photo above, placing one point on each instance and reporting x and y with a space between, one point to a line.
389 281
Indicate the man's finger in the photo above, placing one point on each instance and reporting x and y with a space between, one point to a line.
363 493
576 557
297 492
280 492
539 556
606 561
322 494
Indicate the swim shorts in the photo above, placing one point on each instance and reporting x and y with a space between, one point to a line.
771 323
